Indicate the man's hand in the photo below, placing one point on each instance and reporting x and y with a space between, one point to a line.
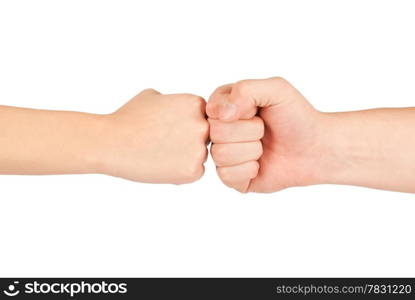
157 138
265 135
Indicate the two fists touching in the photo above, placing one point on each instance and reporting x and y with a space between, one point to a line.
262 133
265 137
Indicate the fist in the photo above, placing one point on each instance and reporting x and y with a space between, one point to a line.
264 135
157 138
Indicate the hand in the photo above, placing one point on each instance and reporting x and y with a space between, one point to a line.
265 136
157 138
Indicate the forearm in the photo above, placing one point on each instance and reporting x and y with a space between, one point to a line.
49 142
372 148
152 138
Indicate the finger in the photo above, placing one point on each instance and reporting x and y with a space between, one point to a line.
241 100
198 103
218 103
235 153
235 132
239 176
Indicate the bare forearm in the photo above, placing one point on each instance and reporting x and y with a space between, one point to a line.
372 148
48 142
152 138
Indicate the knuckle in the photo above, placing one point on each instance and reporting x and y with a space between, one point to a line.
219 153
279 81
260 126
201 154
204 128
149 90
199 132
193 173
254 170
259 149
217 132
195 100
196 173
242 190
214 150
224 175
243 87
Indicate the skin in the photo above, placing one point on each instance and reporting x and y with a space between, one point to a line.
153 138
266 137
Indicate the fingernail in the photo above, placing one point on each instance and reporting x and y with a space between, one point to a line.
227 111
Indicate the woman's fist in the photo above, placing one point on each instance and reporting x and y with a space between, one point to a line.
157 138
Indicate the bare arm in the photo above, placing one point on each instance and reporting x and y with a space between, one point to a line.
373 148
153 138
49 142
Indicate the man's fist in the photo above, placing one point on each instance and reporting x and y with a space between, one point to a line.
264 135
157 138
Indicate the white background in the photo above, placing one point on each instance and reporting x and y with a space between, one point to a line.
95 55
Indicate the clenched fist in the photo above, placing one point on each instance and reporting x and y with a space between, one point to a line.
157 138
264 135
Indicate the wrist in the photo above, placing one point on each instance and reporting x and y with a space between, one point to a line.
98 137
118 147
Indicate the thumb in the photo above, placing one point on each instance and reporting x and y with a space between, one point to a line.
241 100
220 106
